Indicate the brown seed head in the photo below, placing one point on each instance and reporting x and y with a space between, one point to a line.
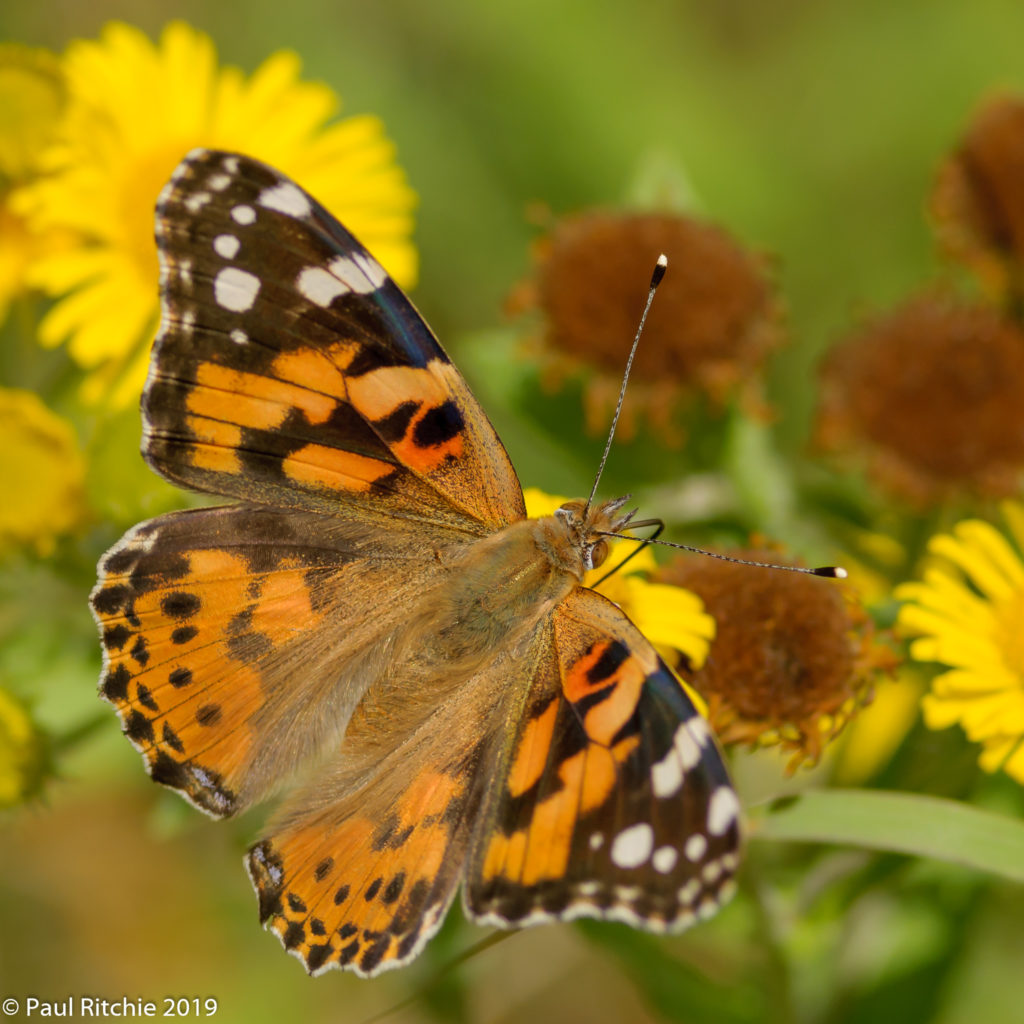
712 323
977 204
792 656
933 395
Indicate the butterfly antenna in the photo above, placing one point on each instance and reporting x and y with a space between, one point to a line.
831 572
659 272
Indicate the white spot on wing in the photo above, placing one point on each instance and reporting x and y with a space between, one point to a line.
356 273
226 246
243 214
690 740
219 182
320 286
195 202
689 892
632 846
664 859
686 750
285 198
235 289
723 810
360 272
238 337
712 872
667 774
596 840
695 848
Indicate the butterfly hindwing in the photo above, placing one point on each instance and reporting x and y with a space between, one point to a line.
238 640
290 370
360 868
615 802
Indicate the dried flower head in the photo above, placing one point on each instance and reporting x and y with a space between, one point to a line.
793 656
977 204
715 318
931 396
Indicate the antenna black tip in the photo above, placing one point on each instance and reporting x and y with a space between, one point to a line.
659 270
830 572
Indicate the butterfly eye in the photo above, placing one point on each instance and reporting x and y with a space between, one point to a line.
596 554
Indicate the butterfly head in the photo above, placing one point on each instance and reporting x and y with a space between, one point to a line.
586 526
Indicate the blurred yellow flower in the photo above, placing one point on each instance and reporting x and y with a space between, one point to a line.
42 471
968 614
22 752
670 617
134 110
32 98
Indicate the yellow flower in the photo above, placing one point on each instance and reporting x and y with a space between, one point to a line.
670 617
42 472
22 752
134 110
968 614
32 96
31 100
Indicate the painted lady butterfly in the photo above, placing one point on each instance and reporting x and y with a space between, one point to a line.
375 624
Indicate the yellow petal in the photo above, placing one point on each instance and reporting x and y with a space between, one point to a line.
43 473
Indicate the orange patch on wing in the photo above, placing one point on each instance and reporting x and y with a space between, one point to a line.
212 726
552 826
575 683
254 400
206 719
321 467
216 445
321 374
505 856
285 601
541 850
377 394
532 753
604 719
340 874
425 460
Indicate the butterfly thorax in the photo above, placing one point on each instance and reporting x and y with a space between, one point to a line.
500 587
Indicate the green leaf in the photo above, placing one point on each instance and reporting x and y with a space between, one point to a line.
760 475
923 826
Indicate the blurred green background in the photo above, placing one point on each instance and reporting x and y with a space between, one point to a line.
812 130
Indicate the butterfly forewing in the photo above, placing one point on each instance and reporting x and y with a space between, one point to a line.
291 370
